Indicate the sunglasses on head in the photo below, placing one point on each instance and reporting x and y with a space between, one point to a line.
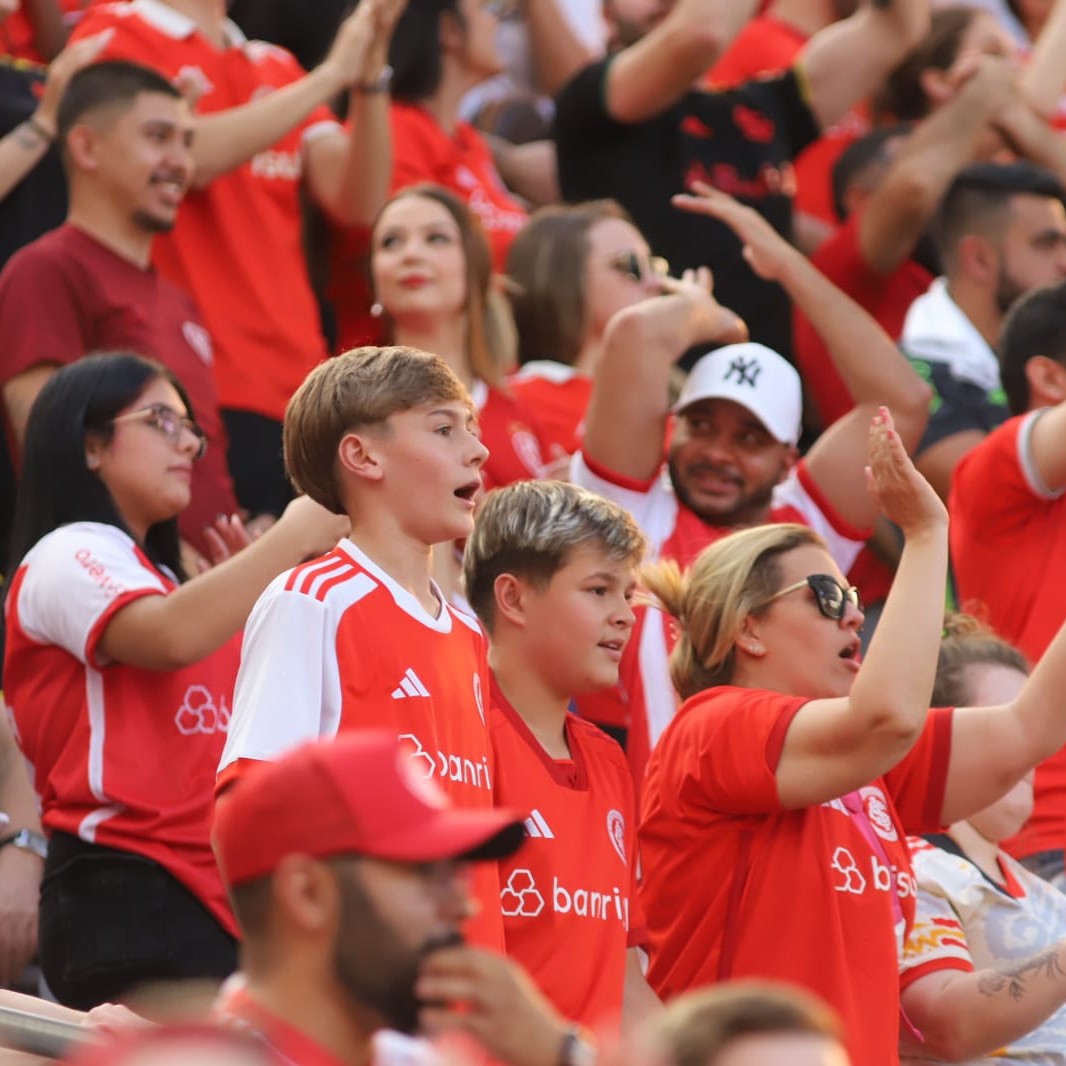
832 597
637 268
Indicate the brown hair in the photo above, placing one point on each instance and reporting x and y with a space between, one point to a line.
489 331
360 388
733 579
697 1027
530 528
546 266
969 642
902 96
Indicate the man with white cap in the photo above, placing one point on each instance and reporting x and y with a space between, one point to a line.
346 871
731 458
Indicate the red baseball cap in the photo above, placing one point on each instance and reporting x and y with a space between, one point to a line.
359 794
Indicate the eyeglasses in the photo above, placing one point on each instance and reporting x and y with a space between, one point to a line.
637 268
168 422
832 597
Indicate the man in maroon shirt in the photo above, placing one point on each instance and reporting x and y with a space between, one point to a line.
125 133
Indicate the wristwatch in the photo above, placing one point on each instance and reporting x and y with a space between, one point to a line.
577 1049
381 84
26 840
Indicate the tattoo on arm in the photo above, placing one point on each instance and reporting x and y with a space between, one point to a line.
27 137
1013 978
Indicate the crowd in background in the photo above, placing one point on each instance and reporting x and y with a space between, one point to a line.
735 451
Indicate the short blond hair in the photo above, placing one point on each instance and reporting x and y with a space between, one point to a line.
530 528
733 579
360 388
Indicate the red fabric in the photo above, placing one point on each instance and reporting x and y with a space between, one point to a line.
66 295
423 152
886 297
120 756
335 645
16 33
1008 545
569 895
237 246
724 862
558 405
512 434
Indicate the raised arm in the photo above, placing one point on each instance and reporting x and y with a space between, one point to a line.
1044 77
899 210
168 632
625 423
655 72
967 1015
226 139
872 367
844 62
558 52
834 746
1031 137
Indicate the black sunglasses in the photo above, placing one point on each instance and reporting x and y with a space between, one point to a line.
832 597
637 268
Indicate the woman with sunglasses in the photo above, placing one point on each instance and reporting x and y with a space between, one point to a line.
432 277
777 802
119 676
570 270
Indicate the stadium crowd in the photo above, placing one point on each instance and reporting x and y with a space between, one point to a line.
531 532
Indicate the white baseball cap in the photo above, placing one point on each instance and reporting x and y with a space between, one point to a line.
755 377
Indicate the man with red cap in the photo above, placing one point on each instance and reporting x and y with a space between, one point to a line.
346 869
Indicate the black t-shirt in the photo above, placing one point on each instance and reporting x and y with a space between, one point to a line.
958 406
740 140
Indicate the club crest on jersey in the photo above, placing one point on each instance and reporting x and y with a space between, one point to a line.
877 813
616 830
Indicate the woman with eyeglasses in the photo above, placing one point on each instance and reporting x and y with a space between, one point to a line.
119 676
432 275
777 802
570 270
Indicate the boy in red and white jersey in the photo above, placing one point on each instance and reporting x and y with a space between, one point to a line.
550 571
362 637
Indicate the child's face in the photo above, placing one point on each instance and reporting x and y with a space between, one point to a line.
430 464
578 626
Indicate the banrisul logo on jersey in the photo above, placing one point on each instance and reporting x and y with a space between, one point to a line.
522 897
445 766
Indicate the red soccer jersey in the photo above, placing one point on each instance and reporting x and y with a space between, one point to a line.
569 896
66 295
644 701
336 644
559 396
424 152
16 32
119 756
512 434
237 243
886 297
1008 550
737 886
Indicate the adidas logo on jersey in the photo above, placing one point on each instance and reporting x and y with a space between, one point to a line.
536 826
410 686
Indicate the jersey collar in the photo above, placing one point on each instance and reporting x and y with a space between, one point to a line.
163 17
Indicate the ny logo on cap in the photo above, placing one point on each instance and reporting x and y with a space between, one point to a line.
747 371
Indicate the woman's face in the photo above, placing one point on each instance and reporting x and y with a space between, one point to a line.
793 647
990 685
478 51
147 469
417 262
615 248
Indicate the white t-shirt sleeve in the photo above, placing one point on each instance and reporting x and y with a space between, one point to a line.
76 579
844 545
288 685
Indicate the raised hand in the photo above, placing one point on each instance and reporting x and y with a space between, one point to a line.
718 323
65 65
903 495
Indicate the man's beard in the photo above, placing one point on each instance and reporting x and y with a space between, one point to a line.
1007 291
152 223
373 964
751 507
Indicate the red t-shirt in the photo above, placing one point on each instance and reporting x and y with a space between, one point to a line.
424 152
237 243
337 644
119 756
737 886
66 295
16 33
1008 550
886 297
569 896
512 434
559 396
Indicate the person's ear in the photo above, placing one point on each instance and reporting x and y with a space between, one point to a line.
357 454
94 451
749 640
978 259
451 32
511 595
1047 381
307 893
83 148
